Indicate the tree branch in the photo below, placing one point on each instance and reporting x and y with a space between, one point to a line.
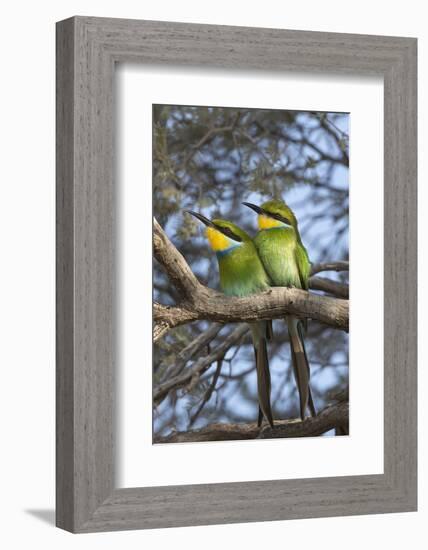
187 353
208 137
274 303
190 376
208 393
332 287
332 417
200 302
159 329
174 264
166 317
330 266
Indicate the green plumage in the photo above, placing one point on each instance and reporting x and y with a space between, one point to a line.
241 271
286 261
242 274
281 249
277 249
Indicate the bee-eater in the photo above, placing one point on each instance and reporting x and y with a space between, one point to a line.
241 274
286 261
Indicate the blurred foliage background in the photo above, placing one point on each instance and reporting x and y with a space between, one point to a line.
210 159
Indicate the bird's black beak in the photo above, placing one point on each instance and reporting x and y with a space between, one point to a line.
254 207
201 218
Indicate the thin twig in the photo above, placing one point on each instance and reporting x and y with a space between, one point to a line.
208 393
187 353
191 375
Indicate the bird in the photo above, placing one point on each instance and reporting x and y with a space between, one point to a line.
241 274
287 263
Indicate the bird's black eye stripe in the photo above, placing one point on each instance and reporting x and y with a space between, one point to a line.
229 233
280 218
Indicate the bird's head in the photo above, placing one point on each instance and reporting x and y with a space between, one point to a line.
274 213
221 234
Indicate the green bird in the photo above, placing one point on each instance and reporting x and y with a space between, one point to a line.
242 274
286 261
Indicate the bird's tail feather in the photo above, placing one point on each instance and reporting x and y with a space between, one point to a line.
269 331
300 365
260 331
260 417
302 327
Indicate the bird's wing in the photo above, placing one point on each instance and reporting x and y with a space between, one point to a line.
303 265
259 332
304 268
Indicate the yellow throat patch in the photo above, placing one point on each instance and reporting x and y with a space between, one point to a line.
266 222
217 240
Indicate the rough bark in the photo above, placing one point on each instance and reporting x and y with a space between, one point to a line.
332 417
331 287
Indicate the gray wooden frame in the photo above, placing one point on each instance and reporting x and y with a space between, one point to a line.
87 50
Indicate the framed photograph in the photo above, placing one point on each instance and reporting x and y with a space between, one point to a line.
262 155
236 274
